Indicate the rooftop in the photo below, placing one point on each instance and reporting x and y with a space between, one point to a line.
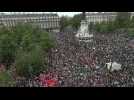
27 15
102 13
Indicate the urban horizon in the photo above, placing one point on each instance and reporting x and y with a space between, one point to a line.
70 14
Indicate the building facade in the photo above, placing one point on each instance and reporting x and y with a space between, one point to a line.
49 22
132 15
102 16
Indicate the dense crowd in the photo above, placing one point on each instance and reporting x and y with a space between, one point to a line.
80 64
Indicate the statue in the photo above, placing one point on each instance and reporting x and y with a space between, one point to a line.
83 32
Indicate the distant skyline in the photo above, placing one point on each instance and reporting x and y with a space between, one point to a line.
71 14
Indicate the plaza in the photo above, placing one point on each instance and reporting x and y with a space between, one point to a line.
106 61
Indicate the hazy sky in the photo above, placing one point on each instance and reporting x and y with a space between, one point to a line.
59 13
68 13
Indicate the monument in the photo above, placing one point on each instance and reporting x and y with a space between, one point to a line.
83 32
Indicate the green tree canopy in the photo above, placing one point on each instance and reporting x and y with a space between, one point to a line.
122 19
75 21
23 36
64 22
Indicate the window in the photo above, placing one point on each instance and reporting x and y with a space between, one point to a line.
47 24
51 24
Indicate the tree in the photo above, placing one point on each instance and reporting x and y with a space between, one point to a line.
105 27
30 64
64 22
34 44
131 23
75 21
122 19
6 79
111 26
25 37
91 26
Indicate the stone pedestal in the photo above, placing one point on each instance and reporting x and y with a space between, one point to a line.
83 32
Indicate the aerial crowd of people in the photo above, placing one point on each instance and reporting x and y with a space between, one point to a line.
80 64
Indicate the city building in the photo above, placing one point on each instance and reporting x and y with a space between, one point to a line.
99 17
49 21
132 14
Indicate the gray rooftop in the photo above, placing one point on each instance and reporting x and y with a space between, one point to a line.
100 13
27 15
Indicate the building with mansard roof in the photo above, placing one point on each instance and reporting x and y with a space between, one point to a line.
49 22
101 17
